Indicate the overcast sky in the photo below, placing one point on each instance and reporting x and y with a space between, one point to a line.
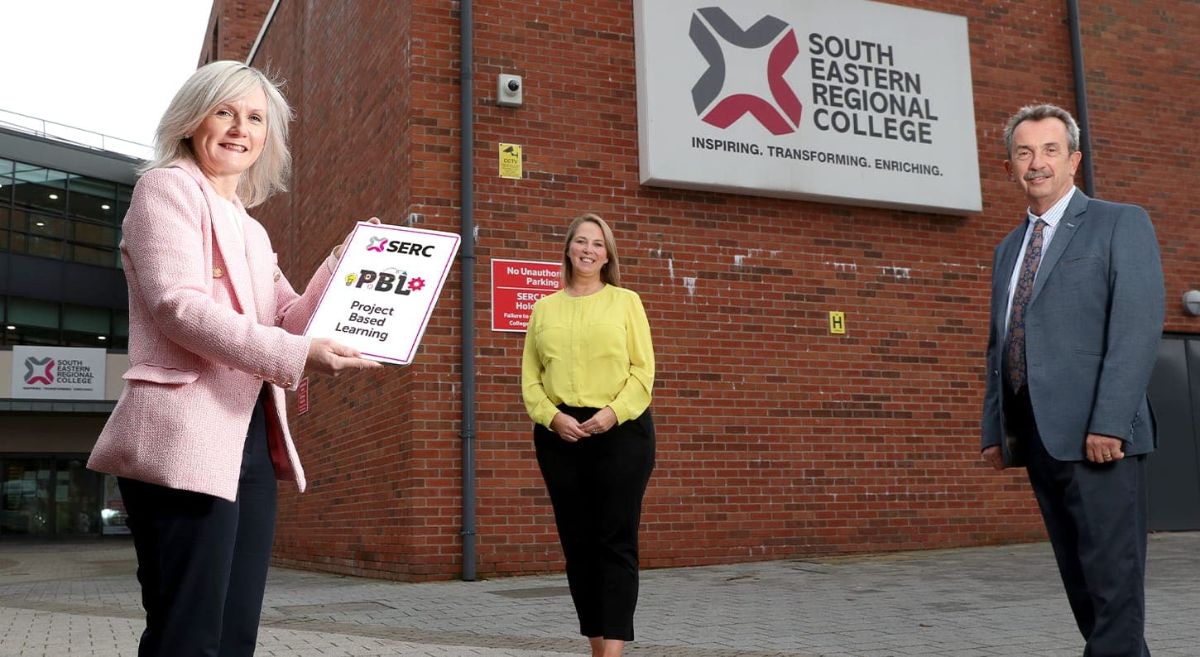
105 66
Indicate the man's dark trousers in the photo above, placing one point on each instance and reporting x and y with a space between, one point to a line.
1095 515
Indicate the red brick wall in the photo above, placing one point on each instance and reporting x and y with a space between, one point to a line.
233 25
776 439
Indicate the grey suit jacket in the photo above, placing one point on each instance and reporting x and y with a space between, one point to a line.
1092 329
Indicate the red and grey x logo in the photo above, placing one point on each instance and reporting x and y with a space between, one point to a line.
781 114
44 373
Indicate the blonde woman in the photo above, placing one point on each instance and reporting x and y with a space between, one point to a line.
586 378
199 436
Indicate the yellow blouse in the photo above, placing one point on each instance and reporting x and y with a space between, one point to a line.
591 351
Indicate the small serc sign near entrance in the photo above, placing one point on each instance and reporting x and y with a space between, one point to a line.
853 102
75 373
516 286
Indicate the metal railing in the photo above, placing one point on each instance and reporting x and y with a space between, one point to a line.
73 135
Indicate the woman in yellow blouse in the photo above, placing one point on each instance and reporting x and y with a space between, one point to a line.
586 377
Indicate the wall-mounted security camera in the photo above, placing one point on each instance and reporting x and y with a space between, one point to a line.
509 90
1191 302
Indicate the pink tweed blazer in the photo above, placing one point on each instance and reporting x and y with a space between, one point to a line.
208 324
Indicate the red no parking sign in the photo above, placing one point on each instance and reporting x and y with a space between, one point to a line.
516 285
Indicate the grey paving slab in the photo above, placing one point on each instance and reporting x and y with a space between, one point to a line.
68 599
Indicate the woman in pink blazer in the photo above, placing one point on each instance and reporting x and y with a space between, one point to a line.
199 436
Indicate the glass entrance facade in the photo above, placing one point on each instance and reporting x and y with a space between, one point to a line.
57 497
61 284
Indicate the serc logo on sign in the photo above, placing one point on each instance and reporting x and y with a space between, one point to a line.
39 370
781 114
383 244
391 279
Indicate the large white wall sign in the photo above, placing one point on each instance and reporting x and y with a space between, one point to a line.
851 101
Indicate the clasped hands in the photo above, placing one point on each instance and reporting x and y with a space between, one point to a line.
572 430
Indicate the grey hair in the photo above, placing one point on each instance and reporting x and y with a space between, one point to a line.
211 85
1037 113
610 273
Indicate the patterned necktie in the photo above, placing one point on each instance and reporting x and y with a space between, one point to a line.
1014 348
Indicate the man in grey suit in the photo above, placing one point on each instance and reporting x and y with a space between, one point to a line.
1076 316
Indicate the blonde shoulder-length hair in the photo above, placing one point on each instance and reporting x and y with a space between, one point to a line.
610 273
211 85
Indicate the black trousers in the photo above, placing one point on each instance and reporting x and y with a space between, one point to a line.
202 560
1095 514
596 486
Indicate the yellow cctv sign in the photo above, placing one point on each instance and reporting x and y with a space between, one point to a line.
837 322
510 161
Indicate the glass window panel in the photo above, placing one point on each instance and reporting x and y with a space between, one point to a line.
45 247
124 194
3 240
78 339
93 256
112 512
5 218
43 189
29 172
93 199
6 180
42 225
32 312
77 498
37 234
25 497
95 234
120 322
101 189
32 335
19 219
85 319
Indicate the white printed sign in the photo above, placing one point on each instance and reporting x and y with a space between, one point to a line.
384 290
58 373
851 101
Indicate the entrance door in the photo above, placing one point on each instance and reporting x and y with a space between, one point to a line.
50 496
25 502
1174 468
76 498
